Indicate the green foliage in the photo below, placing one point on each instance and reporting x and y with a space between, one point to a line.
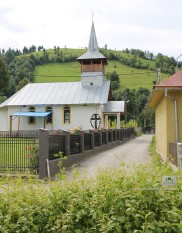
129 124
114 78
128 199
4 77
22 83
33 150
62 170
136 101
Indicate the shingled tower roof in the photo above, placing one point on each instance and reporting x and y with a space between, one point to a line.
93 49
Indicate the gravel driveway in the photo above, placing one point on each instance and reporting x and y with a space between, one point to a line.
135 150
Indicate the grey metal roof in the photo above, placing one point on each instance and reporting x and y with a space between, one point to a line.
93 49
93 46
114 106
58 94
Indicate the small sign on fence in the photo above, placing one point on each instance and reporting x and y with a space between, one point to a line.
169 180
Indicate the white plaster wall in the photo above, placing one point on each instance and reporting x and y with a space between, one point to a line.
3 120
80 117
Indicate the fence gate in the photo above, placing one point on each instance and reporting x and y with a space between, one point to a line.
19 153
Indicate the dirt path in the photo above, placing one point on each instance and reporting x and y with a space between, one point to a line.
133 151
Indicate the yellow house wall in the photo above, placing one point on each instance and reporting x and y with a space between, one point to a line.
165 121
161 128
172 96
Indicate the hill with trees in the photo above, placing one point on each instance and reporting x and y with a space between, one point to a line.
132 72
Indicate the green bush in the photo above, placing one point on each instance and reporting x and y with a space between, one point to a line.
128 199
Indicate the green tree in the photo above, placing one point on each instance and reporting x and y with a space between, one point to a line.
4 76
22 83
114 77
9 56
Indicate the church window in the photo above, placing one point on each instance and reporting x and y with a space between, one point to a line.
31 119
66 115
49 117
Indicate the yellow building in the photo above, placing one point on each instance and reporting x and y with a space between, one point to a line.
167 101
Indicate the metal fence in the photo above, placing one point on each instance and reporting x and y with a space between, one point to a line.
75 144
19 152
87 141
56 146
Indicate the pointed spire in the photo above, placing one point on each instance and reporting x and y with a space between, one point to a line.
93 46
93 49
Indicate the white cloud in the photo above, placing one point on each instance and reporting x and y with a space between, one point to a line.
153 25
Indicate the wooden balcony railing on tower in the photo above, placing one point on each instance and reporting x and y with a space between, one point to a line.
92 68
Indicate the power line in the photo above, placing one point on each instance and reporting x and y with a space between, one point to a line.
74 76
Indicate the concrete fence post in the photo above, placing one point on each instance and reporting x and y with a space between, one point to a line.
43 152
67 142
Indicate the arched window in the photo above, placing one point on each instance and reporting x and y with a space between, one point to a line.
49 117
66 115
31 119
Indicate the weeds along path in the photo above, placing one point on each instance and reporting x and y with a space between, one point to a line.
135 150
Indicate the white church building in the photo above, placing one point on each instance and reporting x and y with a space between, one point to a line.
65 105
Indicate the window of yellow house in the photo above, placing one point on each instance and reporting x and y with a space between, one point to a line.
31 119
66 115
49 117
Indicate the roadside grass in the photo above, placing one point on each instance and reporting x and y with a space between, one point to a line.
129 199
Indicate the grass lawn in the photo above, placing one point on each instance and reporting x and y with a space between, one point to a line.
17 153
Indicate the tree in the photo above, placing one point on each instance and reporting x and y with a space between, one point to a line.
25 50
4 76
114 77
22 83
147 117
32 49
9 56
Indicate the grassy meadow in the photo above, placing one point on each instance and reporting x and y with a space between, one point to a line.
70 71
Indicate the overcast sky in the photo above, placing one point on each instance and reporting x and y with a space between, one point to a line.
154 25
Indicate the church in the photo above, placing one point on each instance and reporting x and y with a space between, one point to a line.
65 105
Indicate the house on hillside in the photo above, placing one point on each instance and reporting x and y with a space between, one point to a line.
65 105
167 101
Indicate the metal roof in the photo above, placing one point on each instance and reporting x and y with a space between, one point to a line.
31 114
114 106
59 94
93 49
174 81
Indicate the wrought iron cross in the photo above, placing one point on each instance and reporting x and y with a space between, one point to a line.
96 118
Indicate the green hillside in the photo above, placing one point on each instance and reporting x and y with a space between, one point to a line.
70 71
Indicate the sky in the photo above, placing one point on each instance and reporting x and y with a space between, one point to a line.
152 25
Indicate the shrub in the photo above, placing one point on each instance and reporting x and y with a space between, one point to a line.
128 199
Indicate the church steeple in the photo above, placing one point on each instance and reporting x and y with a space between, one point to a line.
92 62
93 46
